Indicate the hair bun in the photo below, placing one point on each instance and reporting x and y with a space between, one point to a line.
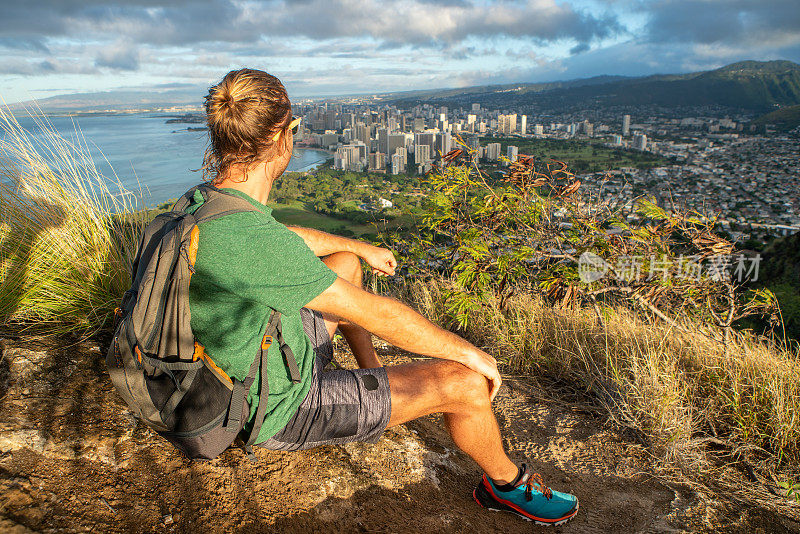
243 113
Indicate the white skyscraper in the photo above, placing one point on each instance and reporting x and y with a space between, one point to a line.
340 159
507 124
398 165
403 153
523 125
493 151
512 152
626 125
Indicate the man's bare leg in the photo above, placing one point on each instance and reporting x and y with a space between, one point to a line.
348 266
462 395
431 386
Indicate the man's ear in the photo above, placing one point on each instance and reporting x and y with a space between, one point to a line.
286 143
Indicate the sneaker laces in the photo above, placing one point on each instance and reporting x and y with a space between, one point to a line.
536 479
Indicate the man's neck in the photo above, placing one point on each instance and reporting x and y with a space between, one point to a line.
256 184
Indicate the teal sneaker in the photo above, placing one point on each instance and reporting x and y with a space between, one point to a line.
529 498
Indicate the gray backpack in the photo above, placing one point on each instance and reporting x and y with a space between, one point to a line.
155 363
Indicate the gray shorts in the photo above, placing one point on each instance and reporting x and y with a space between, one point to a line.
342 405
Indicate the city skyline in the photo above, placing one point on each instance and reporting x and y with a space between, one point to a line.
321 48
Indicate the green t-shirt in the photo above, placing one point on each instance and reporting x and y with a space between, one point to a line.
247 264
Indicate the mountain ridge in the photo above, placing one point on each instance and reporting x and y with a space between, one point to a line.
749 85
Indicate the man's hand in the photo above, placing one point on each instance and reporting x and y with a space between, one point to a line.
380 259
483 363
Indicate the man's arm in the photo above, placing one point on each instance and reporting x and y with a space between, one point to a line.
381 260
401 326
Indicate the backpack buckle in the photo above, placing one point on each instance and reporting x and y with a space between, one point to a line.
266 341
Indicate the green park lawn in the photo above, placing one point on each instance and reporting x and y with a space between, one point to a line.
295 213
581 155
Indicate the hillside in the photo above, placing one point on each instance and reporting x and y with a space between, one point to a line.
74 459
748 85
784 119
780 273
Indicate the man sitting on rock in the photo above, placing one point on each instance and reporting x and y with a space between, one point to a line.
248 263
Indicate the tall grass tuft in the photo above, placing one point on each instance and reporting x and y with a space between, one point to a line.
67 233
678 389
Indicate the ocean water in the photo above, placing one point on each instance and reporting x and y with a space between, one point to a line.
151 158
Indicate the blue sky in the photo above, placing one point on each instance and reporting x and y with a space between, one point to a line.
326 47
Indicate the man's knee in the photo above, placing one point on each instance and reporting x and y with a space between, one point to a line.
347 265
463 385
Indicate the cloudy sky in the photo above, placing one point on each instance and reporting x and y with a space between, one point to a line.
325 47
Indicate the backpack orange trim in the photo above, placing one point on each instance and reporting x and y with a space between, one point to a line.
194 242
201 354
199 350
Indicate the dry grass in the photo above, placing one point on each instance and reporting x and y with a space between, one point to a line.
65 239
679 391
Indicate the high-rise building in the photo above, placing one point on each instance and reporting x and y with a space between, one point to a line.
640 141
471 118
350 157
538 130
419 124
523 125
626 125
340 160
493 151
422 154
377 161
444 143
356 157
512 152
363 151
403 153
362 133
329 139
476 107
426 138
507 124
394 141
383 141
330 120
616 140
398 165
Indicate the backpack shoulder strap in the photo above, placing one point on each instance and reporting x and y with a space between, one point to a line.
217 203
273 330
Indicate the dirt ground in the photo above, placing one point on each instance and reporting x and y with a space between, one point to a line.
73 459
